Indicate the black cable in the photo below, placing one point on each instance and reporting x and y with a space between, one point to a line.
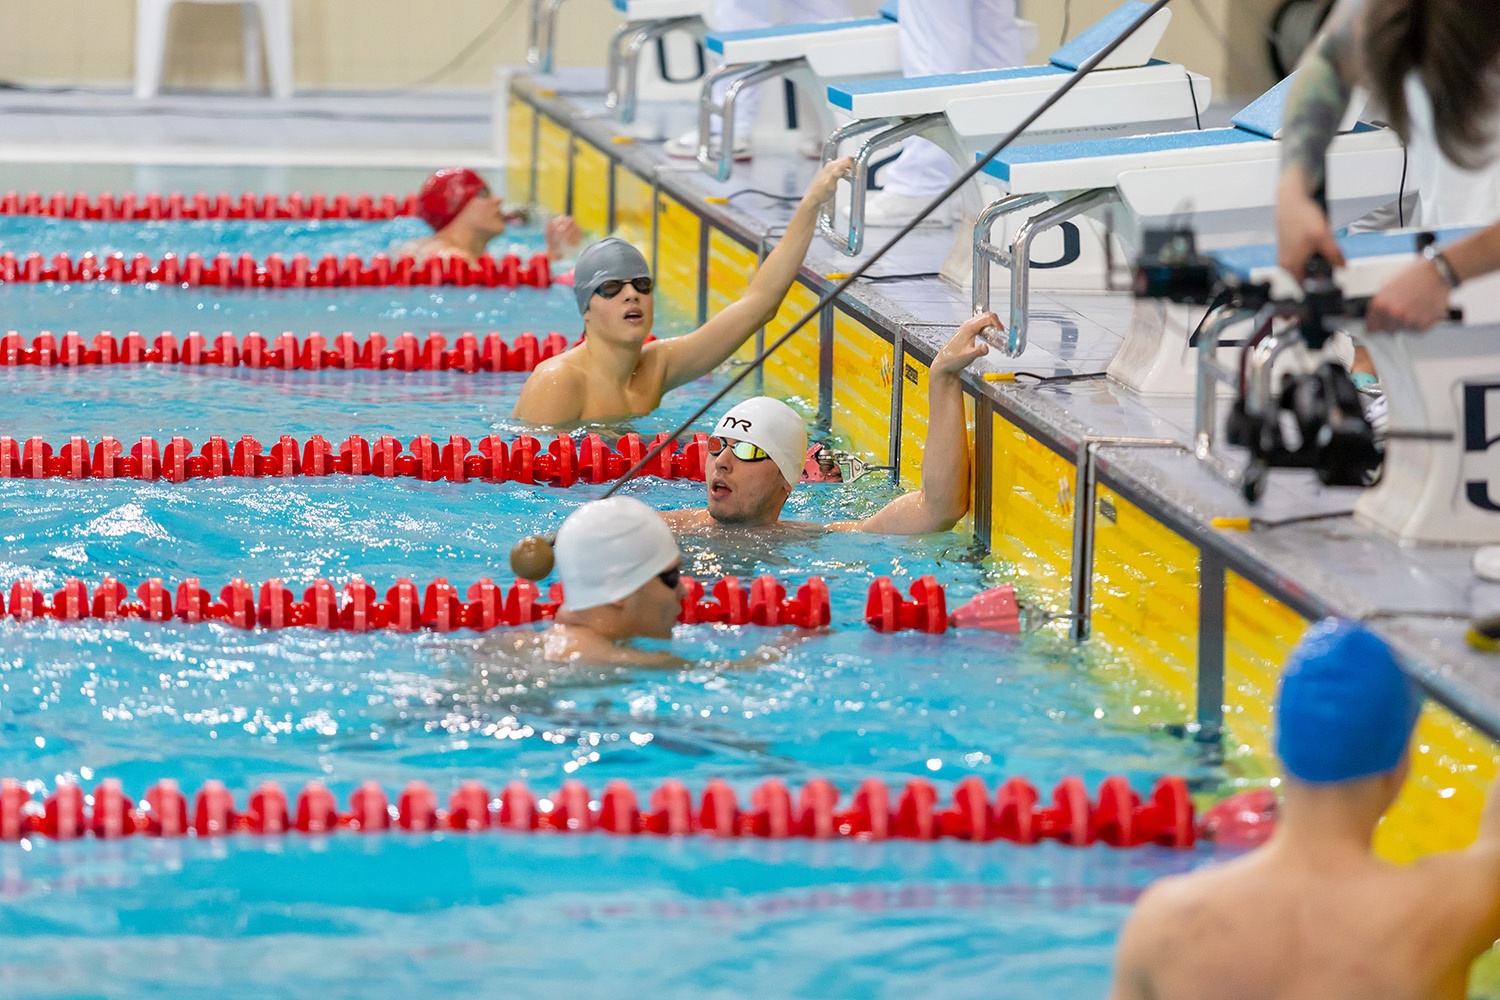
468 51
1401 191
1193 91
875 279
1301 519
763 194
964 176
1041 379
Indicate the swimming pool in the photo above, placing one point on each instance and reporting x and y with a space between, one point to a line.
386 915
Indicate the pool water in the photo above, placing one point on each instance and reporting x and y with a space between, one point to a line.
394 915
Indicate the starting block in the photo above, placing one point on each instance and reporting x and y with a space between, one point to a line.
1220 181
965 113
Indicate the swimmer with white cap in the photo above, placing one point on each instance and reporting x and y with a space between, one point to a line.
614 373
622 579
759 447
1314 912
465 216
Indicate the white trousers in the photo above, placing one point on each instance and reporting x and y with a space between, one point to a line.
740 15
948 36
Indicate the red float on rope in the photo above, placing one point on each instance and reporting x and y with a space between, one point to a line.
406 608
276 272
1166 820
524 460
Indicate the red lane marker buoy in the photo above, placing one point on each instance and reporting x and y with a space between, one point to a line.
673 810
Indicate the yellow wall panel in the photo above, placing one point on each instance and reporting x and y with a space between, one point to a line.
792 372
678 231
553 146
1452 767
1031 513
1146 600
519 152
863 367
591 190
913 420
1259 632
633 209
731 264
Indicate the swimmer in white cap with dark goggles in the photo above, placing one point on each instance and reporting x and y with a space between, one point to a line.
622 579
614 372
759 447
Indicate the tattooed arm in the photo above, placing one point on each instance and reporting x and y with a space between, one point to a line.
1315 104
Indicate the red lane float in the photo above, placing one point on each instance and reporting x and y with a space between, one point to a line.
1118 818
406 608
130 207
244 271
562 462
994 610
467 353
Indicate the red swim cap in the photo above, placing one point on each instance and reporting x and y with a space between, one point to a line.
445 194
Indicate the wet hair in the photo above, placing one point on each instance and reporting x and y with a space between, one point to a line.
1453 47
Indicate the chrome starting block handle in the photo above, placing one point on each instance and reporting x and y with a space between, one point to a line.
889 132
719 163
541 42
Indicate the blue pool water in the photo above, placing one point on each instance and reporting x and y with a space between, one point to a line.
397 915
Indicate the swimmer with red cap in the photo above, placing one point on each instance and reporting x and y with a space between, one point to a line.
614 373
1314 912
465 216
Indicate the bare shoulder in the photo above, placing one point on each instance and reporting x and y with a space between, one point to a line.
686 520
553 393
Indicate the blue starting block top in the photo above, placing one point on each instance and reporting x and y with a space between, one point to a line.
842 95
1065 60
1084 149
1097 35
1243 262
717 39
888 9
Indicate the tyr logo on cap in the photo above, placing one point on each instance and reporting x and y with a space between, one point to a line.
736 422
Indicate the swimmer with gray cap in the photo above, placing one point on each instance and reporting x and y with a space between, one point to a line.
759 447
1315 912
614 373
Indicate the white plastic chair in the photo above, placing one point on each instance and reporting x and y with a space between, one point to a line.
271 18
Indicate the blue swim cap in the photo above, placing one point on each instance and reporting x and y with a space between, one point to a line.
1345 708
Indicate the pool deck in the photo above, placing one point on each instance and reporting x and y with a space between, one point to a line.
1304 547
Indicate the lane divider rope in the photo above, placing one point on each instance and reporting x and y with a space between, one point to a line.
469 353
1118 817
154 206
563 462
276 271
406 608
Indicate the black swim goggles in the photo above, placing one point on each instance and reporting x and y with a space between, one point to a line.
742 450
614 286
671 578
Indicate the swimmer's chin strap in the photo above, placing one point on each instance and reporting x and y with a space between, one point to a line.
529 548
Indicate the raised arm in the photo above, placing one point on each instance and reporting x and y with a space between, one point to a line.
700 352
1315 104
1417 297
944 496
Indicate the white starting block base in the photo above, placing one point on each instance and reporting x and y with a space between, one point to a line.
1155 357
1445 382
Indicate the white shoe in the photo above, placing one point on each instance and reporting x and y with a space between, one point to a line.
685 147
886 208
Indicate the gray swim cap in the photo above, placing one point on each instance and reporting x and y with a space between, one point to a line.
608 260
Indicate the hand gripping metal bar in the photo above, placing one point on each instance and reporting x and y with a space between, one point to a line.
843 285
895 130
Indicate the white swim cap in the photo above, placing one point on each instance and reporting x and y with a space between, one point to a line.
772 425
609 549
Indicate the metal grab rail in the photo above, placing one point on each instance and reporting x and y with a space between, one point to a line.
895 130
1020 258
1085 518
985 252
625 48
743 75
541 35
